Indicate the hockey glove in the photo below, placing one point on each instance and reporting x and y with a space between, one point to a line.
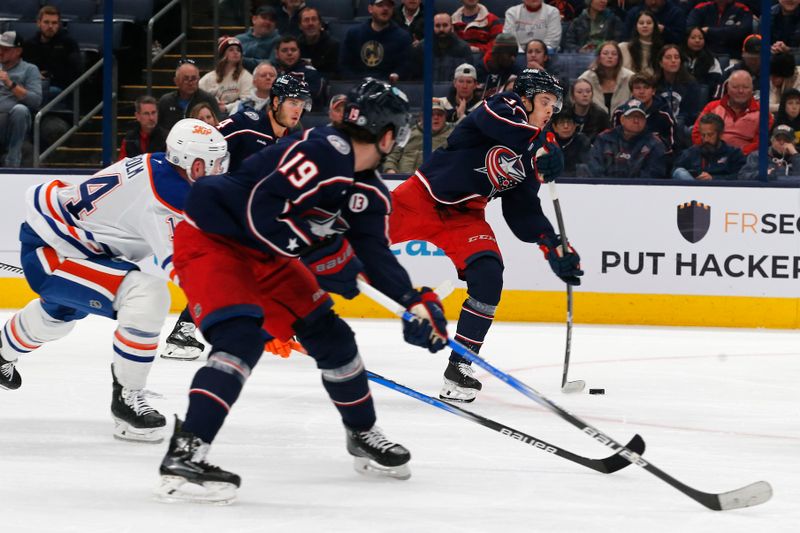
549 160
335 265
430 329
566 266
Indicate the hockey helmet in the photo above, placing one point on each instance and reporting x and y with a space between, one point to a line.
533 81
376 106
289 86
191 139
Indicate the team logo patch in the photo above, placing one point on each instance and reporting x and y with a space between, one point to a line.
358 202
694 219
504 168
94 304
342 146
372 53
251 115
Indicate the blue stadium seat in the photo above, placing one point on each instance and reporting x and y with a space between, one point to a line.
76 10
333 9
136 11
567 65
338 28
361 9
26 30
413 91
447 6
90 35
24 10
315 119
724 61
341 86
498 7
442 88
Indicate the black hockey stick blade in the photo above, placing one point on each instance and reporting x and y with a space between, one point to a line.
607 465
11 268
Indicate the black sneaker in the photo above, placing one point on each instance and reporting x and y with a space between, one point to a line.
460 384
10 379
186 476
374 454
182 344
133 417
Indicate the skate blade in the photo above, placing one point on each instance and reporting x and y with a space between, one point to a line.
367 467
175 489
181 353
453 393
126 432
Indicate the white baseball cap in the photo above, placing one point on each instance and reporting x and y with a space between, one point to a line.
466 70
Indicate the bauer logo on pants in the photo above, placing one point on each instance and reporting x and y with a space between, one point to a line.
694 218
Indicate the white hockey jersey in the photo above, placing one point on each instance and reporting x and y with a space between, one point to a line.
128 210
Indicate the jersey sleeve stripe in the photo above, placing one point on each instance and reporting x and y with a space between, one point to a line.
524 125
251 132
155 190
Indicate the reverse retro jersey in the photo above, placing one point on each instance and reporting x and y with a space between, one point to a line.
128 210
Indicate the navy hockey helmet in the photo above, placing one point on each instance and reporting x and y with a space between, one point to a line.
533 81
375 106
288 86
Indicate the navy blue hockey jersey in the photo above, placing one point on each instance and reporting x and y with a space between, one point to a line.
490 154
266 204
247 131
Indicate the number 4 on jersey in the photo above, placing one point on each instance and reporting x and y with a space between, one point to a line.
91 191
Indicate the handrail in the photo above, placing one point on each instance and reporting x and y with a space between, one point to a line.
215 34
77 122
181 38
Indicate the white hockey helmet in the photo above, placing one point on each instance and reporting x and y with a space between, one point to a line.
191 139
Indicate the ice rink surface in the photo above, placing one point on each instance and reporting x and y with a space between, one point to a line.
718 409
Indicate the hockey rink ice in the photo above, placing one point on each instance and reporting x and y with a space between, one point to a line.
718 409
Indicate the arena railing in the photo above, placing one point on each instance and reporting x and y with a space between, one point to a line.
180 39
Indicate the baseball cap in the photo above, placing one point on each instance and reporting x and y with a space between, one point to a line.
466 70
785 131
225 42
337 99
266 11
441 104
632 106
505 40
10 39
375 2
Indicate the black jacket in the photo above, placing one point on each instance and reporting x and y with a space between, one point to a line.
131 145
324 55
169 112
59 60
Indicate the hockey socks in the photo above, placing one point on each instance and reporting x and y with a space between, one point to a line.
29 328
473 325
349 391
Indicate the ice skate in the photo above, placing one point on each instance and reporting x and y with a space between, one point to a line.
185 476
376 455
134 419
9 377
459 383
182 344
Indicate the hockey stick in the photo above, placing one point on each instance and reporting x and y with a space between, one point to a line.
11 268
607 465
749 495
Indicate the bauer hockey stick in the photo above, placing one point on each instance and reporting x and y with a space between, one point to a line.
747 496
607 465
577 385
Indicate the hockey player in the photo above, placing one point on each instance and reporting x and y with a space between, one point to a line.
491 154
79 248
260 248
246 132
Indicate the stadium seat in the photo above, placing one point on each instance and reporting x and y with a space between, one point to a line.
76 10
442 88
90 35
26 30
24 10
724 61
498 7
333 9
313 120
339 28
361 9
136 11
447 6
567 65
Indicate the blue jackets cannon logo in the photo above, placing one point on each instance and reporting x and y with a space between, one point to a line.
694 218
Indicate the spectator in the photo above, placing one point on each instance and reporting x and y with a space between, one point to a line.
259 41
713 158
628 151
789 112
659 115
637 54
783 75
739 110
408 159
533 19
20 92
726 23
288 17
144 136
609 78
676 85
205 112
536 55
785 26
336 109
568 9
751 62
263 77
670 18
700 62
410 15
783 161
575 145
288 61
595 25
477 26
317 45
448 51
462 97
378 47
229 81
498 65
53 51
590 118
175 105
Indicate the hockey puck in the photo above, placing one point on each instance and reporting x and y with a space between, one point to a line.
597 391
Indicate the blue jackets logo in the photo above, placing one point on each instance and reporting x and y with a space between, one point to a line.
694 219
503 168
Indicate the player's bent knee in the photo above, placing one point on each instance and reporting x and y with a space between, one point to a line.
328 339
241 336
484 278
142 301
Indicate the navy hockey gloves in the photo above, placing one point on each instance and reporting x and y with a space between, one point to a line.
549 160
430 330
335 265
566 266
